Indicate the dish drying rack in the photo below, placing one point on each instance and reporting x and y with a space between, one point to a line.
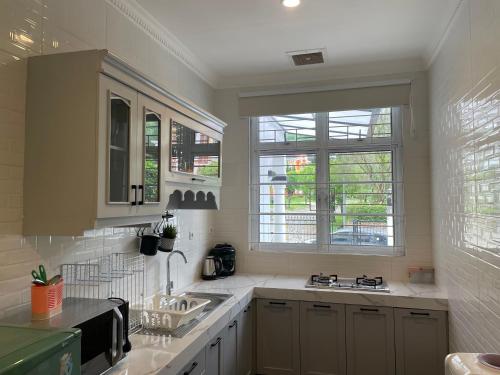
118 275
171 312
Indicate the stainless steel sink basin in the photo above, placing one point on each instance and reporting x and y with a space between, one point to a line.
216 299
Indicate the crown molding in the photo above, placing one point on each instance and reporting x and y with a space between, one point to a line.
313 76
156 31
433 50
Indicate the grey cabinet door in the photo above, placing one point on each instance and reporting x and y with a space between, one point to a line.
245 341
278 347
196 366
421 341
370 340
230 348
322 338
214 356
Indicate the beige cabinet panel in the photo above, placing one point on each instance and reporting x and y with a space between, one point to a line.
118 158
196 366
245 345
370 340
195 153
230 347
322 338
278 347
153 142
421 341
214 354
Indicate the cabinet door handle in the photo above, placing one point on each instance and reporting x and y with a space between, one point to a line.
198 179
193 366
134 188
141 202
322 306
420 313
365 309
277 303
217 342
233 324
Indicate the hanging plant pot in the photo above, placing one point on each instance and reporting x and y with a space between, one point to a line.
166 244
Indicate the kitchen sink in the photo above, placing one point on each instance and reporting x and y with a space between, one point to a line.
216 299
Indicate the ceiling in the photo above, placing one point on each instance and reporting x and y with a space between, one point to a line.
250 38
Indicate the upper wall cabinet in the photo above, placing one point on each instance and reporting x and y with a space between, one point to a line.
98 145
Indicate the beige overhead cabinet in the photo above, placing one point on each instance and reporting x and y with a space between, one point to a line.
97 150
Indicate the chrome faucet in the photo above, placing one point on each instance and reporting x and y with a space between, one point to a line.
170 284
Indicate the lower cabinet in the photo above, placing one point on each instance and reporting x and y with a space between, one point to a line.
214 353
278 351
230 348
316 338
245 345
195 366
322 338
421 338
370 340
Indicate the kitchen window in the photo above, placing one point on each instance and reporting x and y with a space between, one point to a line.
328 182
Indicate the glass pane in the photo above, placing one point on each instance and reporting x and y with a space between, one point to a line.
287 197
119 150
152 126
361 199
360 124
289 128
194 152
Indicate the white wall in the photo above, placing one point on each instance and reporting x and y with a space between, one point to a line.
72 25
465 137
232 220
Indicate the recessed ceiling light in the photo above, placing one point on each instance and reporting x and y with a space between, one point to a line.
290 3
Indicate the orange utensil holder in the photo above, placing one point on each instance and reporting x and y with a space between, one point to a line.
46 301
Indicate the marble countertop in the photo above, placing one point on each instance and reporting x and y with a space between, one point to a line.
166 355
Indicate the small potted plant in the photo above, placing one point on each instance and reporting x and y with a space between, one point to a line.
168 237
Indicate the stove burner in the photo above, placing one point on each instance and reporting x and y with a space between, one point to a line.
375 284
323 279
366 281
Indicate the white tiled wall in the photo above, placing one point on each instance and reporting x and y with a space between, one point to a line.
232 220
465 137
32 27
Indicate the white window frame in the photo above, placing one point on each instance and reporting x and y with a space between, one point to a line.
322 147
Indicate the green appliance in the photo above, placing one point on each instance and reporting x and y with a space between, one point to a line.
36 351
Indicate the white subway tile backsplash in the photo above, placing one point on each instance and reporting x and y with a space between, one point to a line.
465 116
33 27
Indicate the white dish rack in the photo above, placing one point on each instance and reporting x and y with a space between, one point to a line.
171 312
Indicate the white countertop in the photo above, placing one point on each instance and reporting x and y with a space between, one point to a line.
165 355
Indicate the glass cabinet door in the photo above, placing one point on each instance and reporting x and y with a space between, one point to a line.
193 152
151 156
119 149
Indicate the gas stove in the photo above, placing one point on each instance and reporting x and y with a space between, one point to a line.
364 283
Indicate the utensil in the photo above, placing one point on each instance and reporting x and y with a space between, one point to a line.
54 280
41 274
38 282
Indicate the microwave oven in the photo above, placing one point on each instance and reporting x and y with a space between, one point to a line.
104 327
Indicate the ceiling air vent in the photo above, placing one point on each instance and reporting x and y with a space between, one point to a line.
307 57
